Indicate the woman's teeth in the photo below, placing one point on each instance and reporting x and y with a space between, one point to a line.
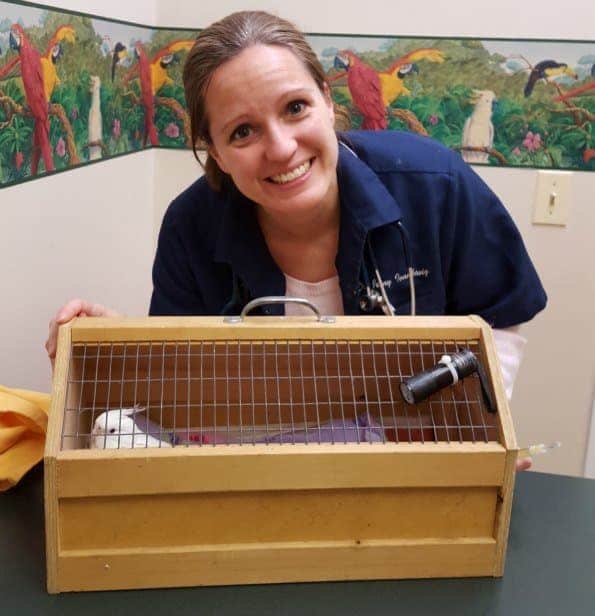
283 178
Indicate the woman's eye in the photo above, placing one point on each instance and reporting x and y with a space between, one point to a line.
112 430
241 132
296 107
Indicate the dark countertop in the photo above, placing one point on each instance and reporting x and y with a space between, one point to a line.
550 569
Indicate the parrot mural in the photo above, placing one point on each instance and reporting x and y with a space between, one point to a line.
153 76
39 80
373 91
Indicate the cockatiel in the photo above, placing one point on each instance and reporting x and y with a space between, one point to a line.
125 429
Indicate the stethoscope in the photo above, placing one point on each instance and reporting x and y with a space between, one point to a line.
375 296
372 296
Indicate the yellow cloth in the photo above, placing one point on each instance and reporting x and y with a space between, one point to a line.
23 425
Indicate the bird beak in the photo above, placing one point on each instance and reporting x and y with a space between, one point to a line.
14 41
341 63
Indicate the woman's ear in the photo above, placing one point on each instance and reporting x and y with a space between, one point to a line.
326 93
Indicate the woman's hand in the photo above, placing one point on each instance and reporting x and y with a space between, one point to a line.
523 464
74 308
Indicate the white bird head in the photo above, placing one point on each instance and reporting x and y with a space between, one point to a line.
114 427
487 97
94 83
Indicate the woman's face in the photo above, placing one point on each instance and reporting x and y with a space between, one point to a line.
272 131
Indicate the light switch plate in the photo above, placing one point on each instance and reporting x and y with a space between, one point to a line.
552 198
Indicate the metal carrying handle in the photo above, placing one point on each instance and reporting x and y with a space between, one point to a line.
277 299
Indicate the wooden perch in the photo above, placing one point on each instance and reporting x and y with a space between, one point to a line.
497 155
181 114
58 110
409 118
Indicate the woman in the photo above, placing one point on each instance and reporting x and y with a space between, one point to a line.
287 207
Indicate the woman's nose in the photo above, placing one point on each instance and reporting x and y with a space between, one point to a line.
281 142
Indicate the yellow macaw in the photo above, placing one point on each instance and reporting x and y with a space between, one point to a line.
161 61
391 80
51 56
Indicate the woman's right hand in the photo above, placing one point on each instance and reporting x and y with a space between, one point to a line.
74 308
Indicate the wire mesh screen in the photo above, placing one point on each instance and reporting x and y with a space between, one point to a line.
210 393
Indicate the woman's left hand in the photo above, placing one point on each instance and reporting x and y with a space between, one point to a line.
523 464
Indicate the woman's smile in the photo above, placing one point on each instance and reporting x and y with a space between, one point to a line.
292 176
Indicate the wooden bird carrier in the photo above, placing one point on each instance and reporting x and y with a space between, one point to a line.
294 457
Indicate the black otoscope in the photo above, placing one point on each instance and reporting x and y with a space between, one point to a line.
448 371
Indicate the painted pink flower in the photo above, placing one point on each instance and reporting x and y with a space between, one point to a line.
433 119
18 160
532 141
61 148
516 151
74 114
172 130
116 128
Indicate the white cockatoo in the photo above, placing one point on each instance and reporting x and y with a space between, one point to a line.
95 119
478 131
125 429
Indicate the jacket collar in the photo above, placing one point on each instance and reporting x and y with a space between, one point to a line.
365 205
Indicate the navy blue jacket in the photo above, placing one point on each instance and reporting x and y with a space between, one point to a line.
467 254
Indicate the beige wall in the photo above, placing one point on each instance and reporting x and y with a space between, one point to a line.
91 232
84 233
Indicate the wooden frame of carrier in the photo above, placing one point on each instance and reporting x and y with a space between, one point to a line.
232 515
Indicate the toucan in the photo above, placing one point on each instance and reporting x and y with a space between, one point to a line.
119 53
546 69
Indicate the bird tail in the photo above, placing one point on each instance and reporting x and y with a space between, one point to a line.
42 138
374 124
151 133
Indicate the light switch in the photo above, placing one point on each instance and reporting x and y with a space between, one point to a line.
552 198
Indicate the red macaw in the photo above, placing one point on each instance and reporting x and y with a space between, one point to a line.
32 75
365 89
146 89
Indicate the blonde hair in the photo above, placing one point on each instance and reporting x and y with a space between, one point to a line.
219 43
